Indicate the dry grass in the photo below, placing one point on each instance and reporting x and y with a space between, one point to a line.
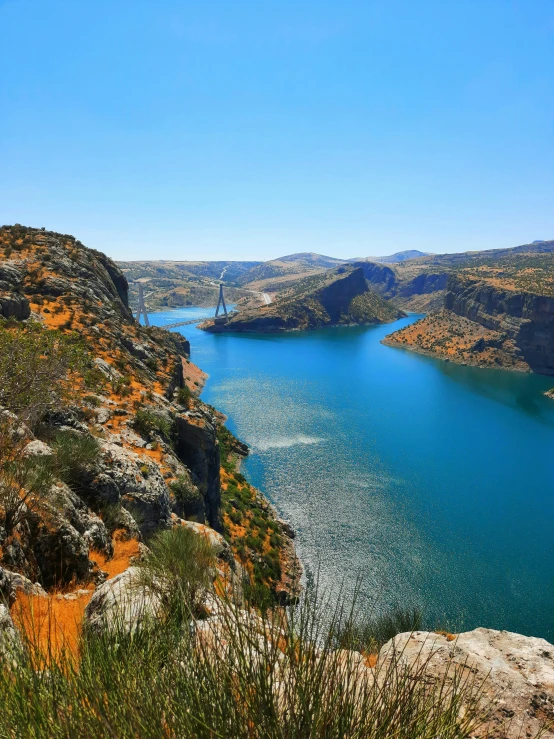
53 624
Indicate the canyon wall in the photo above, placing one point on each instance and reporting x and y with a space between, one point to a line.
524 318
420 292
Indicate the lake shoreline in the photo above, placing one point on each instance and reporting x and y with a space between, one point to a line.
428 477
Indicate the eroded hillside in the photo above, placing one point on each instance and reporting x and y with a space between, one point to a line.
177 284
115 443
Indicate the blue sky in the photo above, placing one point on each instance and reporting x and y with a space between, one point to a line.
248 130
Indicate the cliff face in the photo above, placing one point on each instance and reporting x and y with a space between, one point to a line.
524 318
335 297
420 292
488 323
420 284
154 455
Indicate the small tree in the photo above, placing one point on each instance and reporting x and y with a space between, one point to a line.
36 368
22 480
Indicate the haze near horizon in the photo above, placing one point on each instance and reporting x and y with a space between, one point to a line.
243 131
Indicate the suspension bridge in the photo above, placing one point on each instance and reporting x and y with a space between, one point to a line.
223 318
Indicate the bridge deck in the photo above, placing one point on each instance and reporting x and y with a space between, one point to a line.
186 323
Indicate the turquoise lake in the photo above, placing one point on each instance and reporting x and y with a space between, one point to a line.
432 482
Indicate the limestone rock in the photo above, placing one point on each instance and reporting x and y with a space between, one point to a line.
7 591
60 551
124 476
518 673
221 548
525 318
10 641
197 447
122 602
17 582
37 448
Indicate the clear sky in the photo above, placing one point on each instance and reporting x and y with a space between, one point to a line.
238 129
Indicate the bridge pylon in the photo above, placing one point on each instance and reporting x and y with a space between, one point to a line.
141 307
221 302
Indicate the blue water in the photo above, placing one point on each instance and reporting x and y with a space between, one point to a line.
432 481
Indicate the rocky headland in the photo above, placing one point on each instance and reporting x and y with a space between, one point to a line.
336 297
493 316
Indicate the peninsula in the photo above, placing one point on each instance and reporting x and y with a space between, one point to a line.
340 296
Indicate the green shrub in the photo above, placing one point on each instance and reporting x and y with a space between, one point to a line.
24 481
236 517
147 423
92 400
369 635
112 516
187 494
180 566
184 395
35 367
74 455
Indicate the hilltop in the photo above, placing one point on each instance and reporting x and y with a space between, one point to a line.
340 296
400 256
412 279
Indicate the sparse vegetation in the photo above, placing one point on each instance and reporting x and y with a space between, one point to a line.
26 482
184 395
149 423
187 494
35 370
74 455
179 567
271 677
23 481
367 635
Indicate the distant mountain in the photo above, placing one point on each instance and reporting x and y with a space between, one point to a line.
312 259
401 256
338 296
279 272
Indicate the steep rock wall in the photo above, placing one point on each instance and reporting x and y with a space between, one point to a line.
525 318
389 284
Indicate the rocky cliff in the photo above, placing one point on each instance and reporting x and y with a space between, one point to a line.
522 318
501 318
130 449
419 284
340 296
407 285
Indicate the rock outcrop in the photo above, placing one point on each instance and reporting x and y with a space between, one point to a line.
513 675
516 672
421 291
123 602
10 641
524 318
486 325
